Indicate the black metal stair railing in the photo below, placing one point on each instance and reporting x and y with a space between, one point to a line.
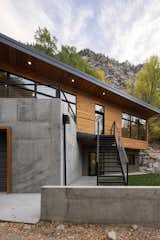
121 150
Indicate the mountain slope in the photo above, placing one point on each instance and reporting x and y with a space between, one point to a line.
117 73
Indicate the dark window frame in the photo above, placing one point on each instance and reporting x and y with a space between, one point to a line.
102 114
131 121
6 83
34 83
70 102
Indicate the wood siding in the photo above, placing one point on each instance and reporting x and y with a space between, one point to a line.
86 116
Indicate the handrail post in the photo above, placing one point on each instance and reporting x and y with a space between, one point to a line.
35 90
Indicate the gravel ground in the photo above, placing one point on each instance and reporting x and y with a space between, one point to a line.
64 231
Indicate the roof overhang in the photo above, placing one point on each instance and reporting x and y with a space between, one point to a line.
93 84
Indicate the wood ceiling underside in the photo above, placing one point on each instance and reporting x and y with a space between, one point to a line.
16 62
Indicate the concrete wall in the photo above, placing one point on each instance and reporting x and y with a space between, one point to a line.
108 205
36 141
73 150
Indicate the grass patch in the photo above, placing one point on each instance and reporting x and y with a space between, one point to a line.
151 179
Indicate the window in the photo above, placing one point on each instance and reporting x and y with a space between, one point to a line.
133 127
142 129
71 99
12 85
126 125
99 119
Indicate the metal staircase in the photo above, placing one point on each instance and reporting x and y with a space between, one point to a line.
112 161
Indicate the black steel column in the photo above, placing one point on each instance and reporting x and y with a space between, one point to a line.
97 152
66 120
6 85
58 92
35 90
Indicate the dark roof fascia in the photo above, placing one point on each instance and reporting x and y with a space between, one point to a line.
43 57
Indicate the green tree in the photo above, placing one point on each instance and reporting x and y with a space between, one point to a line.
147 88
45 42
147 85
130 85
69 55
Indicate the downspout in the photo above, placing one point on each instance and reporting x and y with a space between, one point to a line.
66 120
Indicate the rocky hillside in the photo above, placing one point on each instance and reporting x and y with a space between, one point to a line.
117 73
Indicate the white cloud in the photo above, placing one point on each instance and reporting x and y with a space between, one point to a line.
132 28
20 19
123 29
71 22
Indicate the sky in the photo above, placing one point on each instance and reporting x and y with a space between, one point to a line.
121 29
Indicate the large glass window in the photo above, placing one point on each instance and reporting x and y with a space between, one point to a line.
12 85
71 99
126 125
99 119
142 129
133 127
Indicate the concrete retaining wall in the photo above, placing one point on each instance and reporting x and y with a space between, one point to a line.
107 205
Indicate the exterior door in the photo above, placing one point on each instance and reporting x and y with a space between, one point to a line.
92 164
5 161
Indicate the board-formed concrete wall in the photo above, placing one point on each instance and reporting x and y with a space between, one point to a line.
36 141
73 150
107 205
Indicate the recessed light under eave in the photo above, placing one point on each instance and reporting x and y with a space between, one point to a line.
29 63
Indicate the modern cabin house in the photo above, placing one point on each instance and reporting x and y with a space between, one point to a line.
58 124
